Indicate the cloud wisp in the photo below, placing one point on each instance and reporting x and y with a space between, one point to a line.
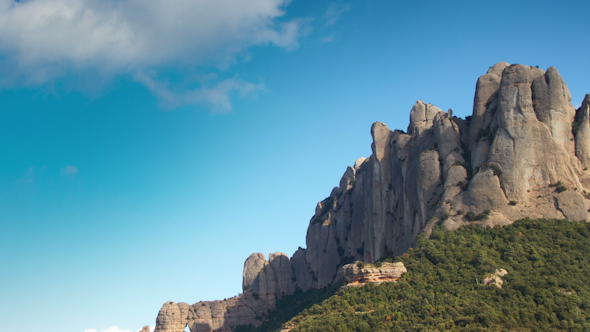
45 40
69 170
217 96
28 177
334 11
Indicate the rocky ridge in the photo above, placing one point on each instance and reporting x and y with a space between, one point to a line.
524 152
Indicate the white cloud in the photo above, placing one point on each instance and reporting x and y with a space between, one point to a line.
152 328
334 11
42 40
118 329
69 170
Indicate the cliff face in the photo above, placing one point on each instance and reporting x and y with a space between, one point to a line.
524 152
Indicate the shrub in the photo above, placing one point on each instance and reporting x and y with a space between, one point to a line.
512 203
471 216
497 170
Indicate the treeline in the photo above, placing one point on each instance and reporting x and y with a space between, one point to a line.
547 286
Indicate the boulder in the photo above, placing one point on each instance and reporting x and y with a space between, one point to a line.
359 273
494 279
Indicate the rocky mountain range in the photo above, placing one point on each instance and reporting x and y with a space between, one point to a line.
524 152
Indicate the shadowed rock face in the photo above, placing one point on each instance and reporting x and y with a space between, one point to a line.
525 152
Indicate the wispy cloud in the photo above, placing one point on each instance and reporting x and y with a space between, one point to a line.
334 11
117 329
44 40
69 170
28 177
327 39
217 96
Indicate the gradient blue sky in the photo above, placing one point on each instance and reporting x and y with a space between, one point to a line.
148 147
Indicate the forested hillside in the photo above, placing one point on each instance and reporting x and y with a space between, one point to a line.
547 286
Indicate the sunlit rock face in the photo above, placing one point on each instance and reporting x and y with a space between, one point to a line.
524 152
359 274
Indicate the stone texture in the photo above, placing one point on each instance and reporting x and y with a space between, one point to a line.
172 317
359 274
281 266
301 270
252 268
583 134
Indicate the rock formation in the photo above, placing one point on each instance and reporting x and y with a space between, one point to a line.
359 273
524 152
263 282
494 279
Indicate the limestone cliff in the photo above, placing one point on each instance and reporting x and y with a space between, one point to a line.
524 152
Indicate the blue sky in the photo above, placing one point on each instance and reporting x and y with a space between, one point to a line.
148 147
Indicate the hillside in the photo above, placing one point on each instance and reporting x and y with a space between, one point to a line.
547 286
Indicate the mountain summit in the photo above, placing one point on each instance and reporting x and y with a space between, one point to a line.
524 152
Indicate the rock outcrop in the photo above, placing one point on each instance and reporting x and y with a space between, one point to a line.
495 279
263 282
359 273
524 152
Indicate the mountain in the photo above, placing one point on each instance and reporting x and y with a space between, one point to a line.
524 152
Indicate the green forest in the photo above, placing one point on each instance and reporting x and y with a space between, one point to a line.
547 287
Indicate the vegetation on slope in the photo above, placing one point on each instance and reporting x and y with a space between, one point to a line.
547 286
288 306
